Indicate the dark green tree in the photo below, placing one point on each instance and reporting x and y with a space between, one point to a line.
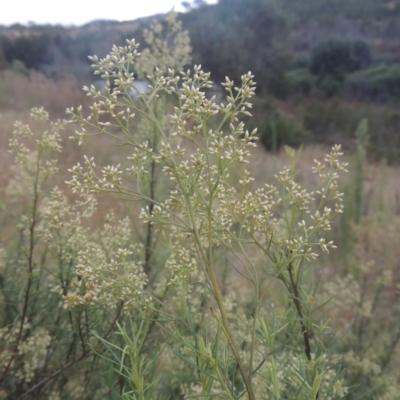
236 36
31 50
333 56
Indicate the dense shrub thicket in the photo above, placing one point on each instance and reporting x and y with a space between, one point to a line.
31 50
336 56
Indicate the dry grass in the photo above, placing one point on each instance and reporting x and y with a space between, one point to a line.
19 93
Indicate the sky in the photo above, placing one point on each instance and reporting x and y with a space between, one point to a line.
78 12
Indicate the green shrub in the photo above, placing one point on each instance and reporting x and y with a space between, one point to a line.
378 82
329 120
32 50
336 120
301 60
300 81
279 131
331 84
3 61
19 68
338 56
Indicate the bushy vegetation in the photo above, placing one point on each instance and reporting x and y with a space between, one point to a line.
377 83
30 50
335 56
280 130
334 120
217 276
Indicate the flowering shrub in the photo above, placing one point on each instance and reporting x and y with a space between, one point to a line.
207 289
268 235
40 338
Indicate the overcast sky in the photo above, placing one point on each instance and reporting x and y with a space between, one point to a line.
78 12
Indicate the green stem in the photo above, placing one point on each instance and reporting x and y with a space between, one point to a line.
217 295
296 301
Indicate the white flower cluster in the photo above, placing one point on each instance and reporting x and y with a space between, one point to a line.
61 224
345 295
167 48
109 270
182 263
33 350
31 152
29 355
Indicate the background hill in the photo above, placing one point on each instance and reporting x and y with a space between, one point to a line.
320 65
